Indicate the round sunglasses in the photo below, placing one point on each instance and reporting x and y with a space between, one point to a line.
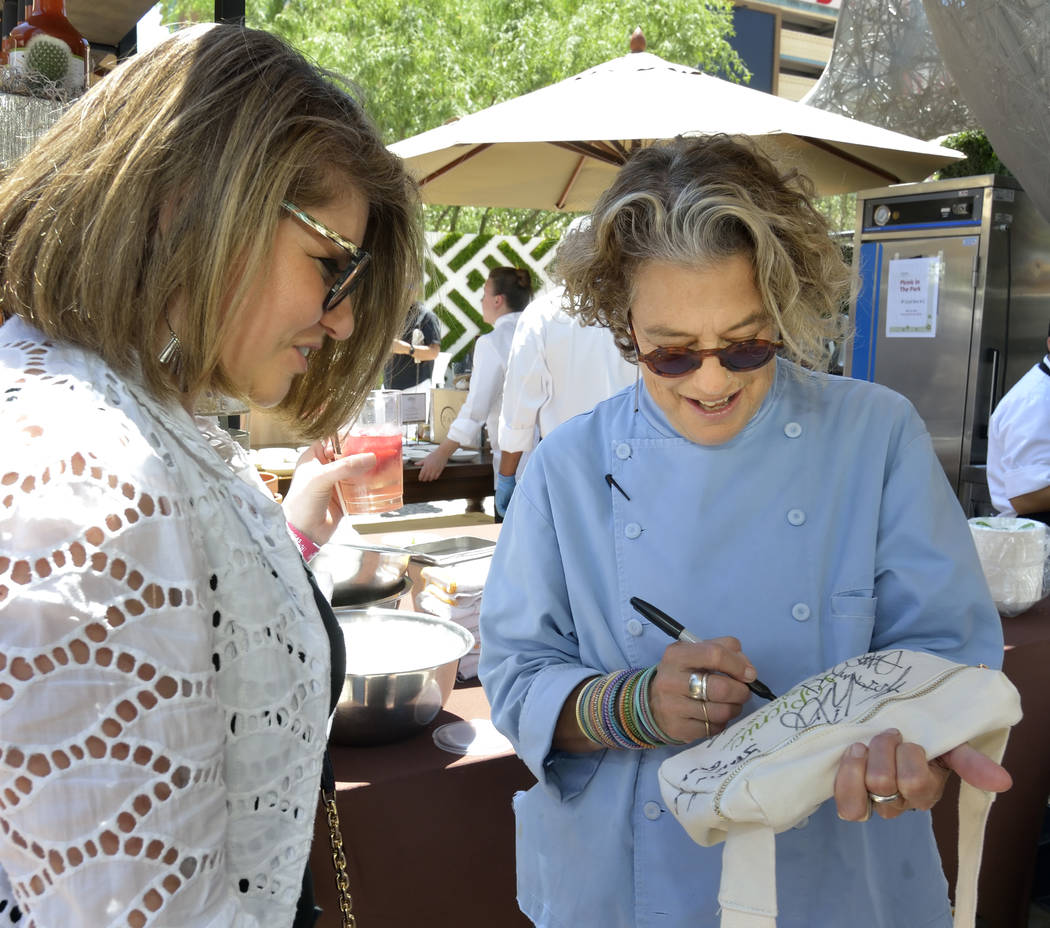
739 356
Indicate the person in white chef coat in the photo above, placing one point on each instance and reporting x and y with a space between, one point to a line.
507 292
557 368
789 519
1019 446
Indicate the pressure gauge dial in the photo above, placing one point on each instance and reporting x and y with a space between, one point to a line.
881 214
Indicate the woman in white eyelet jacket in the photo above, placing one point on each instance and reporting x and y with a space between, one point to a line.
163 640
809 520
216 216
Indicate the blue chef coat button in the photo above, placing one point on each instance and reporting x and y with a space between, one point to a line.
632 530
796 516
651 810
623 451
634 627
800 612
792 430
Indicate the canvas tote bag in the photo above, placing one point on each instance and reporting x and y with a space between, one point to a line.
773 768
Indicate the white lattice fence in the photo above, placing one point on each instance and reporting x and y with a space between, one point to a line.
456 269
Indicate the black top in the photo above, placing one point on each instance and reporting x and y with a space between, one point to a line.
307 914
401 371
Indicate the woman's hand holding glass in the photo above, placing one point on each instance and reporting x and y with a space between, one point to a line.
890 776
725 666
312 503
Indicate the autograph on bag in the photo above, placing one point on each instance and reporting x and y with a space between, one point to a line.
831 697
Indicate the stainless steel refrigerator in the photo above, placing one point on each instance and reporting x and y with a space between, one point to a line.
951 308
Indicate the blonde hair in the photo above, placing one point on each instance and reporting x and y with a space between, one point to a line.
695 202
165 181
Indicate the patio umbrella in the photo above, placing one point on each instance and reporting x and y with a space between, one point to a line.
559 147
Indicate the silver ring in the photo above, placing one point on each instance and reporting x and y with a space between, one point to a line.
876 798
698 686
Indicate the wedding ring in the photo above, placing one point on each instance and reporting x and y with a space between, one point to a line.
707 721
698 686
876 798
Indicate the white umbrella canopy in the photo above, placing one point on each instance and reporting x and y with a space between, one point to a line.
559 147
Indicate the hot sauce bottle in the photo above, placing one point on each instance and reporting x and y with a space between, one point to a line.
46 49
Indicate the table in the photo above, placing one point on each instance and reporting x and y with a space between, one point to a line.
1004 887
469 479
429 835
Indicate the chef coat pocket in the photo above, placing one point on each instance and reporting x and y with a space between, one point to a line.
566 774
852 620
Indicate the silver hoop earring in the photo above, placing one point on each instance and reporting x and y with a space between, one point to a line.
172 357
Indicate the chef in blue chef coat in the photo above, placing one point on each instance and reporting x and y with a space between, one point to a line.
788 518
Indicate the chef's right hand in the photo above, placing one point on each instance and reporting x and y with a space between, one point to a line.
676 712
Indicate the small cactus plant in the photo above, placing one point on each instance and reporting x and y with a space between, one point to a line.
48 58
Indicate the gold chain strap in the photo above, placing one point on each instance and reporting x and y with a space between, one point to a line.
335 838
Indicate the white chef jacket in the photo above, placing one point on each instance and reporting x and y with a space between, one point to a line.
1019 440
163 652
824 529
485 395
557 369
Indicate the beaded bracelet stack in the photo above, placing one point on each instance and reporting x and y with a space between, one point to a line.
614 711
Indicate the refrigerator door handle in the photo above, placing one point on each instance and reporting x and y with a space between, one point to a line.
993 397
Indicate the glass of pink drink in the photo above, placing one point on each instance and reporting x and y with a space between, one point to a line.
376 431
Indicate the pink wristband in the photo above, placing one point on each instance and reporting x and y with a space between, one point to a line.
306 547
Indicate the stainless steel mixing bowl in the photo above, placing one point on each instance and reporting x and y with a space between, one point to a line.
386 601
361 573
401 667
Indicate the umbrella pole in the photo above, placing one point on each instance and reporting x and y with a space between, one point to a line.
476 150
572 180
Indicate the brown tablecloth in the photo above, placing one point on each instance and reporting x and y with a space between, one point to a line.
1004 888
429 835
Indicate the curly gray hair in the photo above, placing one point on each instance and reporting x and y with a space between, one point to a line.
695 202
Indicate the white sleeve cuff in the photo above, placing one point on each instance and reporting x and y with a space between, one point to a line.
1026 480
465 432
516 439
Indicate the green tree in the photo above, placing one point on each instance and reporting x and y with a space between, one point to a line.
419 63
980 156
840 210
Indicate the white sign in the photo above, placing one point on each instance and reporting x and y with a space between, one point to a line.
413 407
911 297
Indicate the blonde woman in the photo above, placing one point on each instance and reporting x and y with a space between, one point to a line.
216 215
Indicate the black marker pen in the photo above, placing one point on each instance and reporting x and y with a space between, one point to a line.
676 630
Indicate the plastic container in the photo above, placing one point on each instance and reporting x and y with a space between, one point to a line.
1013 554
